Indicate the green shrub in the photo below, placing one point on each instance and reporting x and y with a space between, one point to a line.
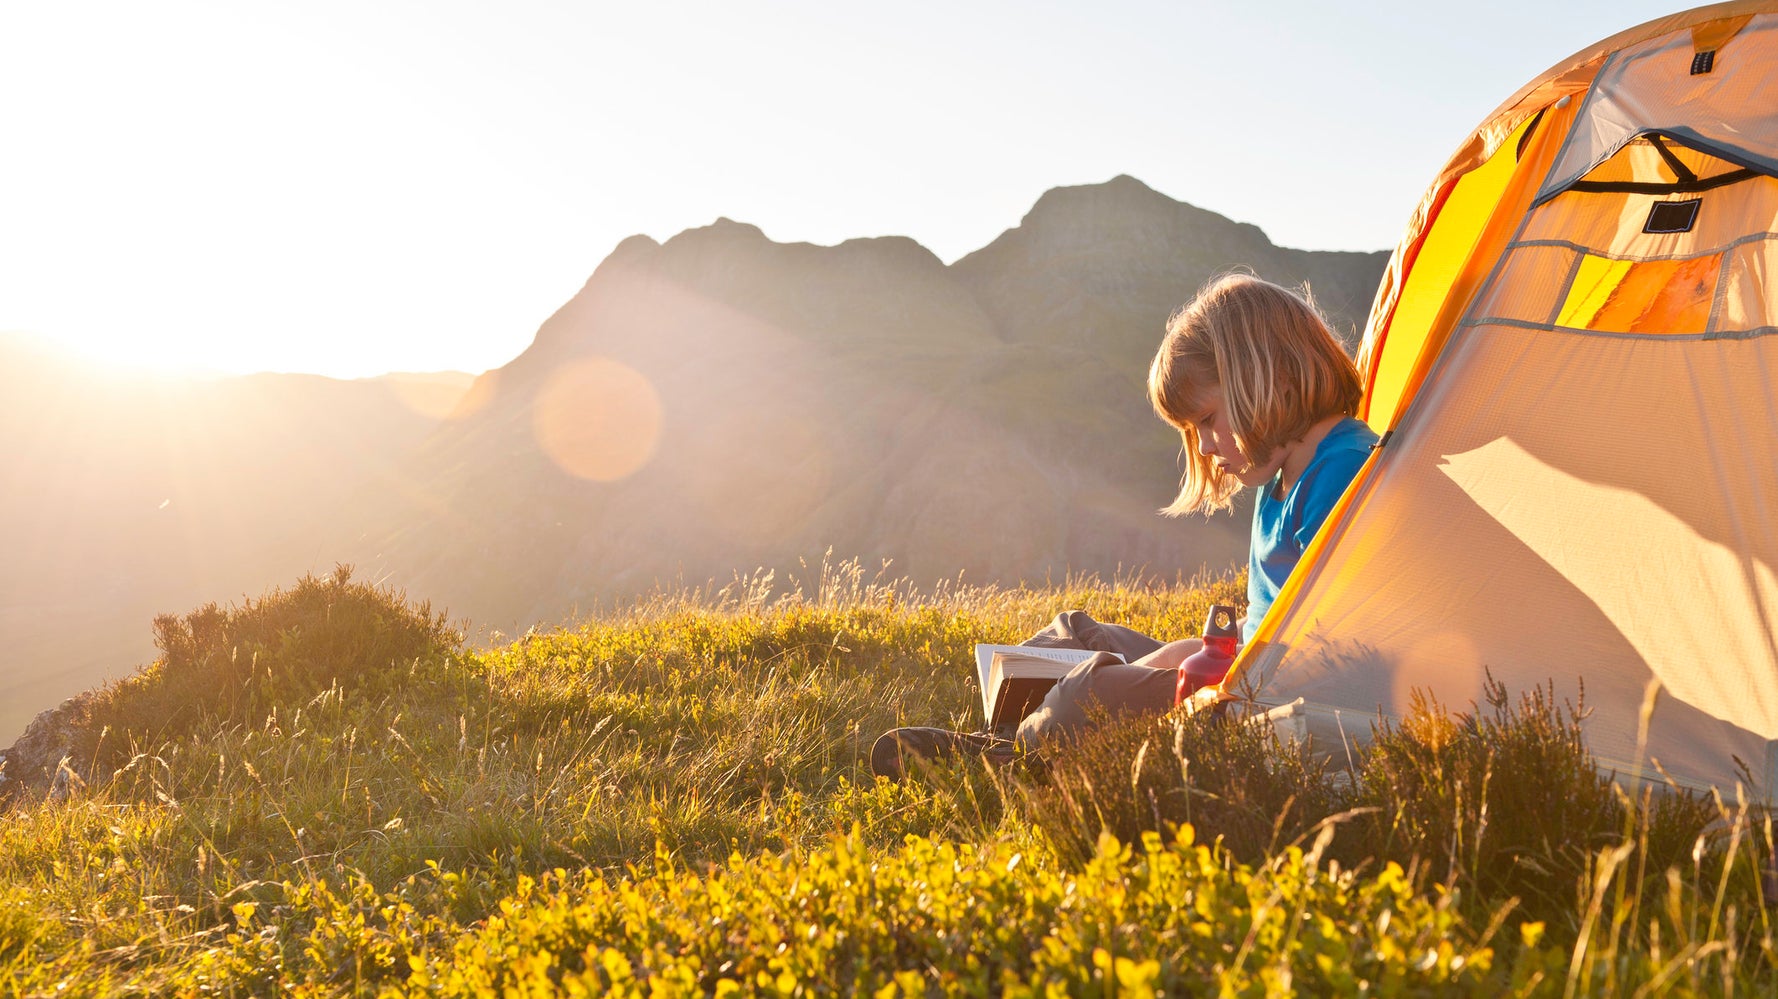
1169 916
221 667
1504 802
1131 775
1504 808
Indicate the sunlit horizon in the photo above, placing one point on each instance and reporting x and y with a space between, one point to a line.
357 189
102 355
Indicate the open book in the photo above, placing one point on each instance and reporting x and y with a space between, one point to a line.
1015 678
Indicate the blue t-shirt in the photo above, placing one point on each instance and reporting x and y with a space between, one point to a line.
1282 528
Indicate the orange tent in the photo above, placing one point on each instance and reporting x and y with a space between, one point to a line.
1574 360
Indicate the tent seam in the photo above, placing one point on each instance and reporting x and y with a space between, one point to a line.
1643 258
1720 296
1526 324
1574 266
1580 116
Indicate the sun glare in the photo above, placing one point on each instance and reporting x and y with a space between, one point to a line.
598 419
148 356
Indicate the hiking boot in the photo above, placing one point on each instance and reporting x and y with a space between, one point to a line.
898 750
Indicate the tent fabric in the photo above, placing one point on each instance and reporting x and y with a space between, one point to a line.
1449 260
1576 348
1550 93
1650 88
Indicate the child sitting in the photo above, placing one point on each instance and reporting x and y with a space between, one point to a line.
1262 395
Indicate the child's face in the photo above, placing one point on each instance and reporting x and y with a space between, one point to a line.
1216 440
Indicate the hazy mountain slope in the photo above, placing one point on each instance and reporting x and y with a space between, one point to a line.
986 417
807 397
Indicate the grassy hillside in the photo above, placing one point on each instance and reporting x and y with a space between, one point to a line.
322 792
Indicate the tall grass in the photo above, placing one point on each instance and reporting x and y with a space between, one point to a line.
1499 812
323 791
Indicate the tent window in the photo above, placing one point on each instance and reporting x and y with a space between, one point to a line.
1641 296
1655 165
1748 293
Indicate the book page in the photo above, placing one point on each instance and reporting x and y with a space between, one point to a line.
995 664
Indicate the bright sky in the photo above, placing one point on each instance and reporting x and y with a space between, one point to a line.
357 187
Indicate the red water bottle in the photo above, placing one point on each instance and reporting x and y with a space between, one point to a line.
1210 664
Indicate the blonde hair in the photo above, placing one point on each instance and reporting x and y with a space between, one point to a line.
1279 367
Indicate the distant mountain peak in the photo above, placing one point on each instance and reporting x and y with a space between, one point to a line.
886 292
1121 187
636 245
1119 202
727 225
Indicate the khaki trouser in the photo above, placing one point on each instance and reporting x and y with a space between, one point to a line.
1118 687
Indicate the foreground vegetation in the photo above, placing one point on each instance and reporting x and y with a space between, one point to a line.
323 792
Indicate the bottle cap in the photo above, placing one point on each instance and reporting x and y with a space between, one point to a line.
1222 622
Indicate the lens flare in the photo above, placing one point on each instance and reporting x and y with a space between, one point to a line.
598 419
